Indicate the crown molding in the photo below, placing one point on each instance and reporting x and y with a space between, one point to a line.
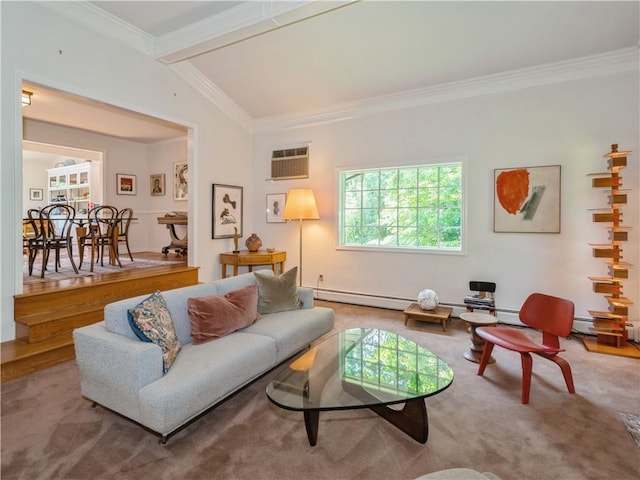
247 19
610 63
105 23
208 89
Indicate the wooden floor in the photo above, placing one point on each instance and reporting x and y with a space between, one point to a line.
81 281
46 313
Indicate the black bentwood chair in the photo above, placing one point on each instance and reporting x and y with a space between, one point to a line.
56 222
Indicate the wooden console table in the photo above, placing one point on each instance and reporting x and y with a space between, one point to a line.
252 259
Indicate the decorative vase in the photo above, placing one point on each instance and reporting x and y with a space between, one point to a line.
253 243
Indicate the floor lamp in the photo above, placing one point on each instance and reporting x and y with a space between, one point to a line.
300 205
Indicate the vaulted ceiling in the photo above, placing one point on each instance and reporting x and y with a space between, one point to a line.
271 60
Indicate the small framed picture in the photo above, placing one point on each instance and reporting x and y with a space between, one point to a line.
227 211
181 181
125 184
275 207
157 184
35 194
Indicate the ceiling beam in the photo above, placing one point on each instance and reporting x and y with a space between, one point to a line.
245 21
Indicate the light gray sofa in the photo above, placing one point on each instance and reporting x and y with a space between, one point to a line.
124 374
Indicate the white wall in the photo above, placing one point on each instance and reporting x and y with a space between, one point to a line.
161 158
569 124
34 173
44 47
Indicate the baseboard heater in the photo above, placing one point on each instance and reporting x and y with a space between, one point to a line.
507 316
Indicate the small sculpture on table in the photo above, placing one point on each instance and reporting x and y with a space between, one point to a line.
428 299
236 237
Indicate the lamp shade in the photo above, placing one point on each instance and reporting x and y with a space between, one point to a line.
300 205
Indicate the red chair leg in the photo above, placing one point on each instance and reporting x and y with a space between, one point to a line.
527 364
566 372
486 355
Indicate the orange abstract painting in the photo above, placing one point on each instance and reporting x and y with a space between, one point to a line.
512 188
527 200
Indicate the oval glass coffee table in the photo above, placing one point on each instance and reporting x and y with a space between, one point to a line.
363 368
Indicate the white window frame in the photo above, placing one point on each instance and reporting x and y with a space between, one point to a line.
404 249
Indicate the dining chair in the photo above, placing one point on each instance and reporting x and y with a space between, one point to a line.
84 235
56 222
553 316
103 220
125 215
32 236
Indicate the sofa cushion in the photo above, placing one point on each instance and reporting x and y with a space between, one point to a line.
293 330
202 376
278 293
215 316
151 322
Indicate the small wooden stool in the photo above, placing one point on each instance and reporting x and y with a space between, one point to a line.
439 314
476 345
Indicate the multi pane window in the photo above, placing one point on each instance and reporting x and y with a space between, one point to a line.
407 207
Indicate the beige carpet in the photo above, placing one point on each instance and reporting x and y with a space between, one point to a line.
50 432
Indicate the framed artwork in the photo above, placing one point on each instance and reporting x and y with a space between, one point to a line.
157 184
35 194
527 200
125 184
181 181
275 207
226 210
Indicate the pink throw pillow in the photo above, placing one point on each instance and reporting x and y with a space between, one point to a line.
215 316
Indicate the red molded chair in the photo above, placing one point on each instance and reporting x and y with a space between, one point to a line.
551 315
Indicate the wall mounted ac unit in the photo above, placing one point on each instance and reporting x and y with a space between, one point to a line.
290 163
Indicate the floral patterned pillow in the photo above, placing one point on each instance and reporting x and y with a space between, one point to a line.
151 322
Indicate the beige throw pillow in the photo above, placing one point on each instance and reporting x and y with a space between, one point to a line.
278 293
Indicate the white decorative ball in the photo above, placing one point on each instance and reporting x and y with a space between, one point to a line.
428 299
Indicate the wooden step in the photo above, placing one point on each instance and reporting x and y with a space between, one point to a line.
39 315
20 358
62 325
46 317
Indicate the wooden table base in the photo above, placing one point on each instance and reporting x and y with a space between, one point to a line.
412 419
476 344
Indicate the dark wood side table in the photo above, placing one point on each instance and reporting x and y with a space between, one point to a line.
252 259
